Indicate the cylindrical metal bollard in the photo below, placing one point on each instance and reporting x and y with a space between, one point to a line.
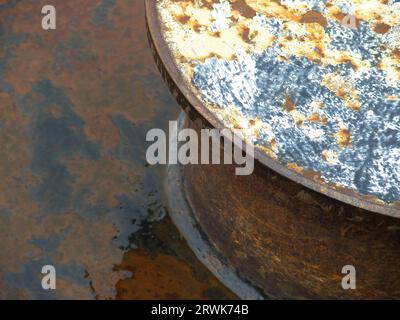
281 232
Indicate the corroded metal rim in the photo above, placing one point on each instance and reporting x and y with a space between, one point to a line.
187 99
183 218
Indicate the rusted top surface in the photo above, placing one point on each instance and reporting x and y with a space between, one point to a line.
75 106
314 89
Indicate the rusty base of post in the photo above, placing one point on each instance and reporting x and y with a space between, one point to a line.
279 236
182 215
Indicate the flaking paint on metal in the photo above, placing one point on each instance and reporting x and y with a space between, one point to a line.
252 123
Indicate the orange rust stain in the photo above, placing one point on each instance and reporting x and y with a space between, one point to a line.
392 98
396 54
314 17
160 277
270 150
243 8
245 34
343 138
347 59
184 19
315 117
295 167
289 103
315 176
274 144
381 28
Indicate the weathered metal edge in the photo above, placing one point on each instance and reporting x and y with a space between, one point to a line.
187 99
182 216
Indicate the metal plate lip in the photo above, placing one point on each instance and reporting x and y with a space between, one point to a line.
164 53
182 215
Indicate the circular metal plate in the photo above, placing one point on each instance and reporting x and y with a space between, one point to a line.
188 95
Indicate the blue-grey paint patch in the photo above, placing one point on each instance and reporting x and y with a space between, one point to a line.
100 13
258 83
54 139
49 244
130 133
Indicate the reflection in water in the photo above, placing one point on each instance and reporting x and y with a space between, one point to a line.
75 105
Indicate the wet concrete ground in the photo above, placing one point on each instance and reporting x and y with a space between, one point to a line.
75 190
